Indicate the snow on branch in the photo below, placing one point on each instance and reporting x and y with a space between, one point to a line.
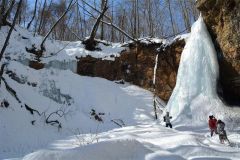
10 90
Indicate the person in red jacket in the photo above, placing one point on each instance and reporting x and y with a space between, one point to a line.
212 122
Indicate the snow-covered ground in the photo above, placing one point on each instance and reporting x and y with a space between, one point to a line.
103 120
124 104
149 142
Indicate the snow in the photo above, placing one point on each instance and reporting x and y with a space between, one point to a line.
184 36
76 49
128 103
194 96
148 40
59 54
147 142
57 87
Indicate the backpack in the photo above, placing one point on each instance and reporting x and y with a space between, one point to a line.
164 118
220 128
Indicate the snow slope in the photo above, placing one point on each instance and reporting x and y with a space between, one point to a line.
58 88
128 103
142 142
83 136
59 54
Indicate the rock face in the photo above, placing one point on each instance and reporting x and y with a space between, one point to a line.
222 18
136 65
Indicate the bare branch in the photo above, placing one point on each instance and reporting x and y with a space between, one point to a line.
109 23
118 122
11 29
119 29
45 38
59 113
34 14
31 110
74 34
9 9
10 90
1 72
95 27
90 43
97 10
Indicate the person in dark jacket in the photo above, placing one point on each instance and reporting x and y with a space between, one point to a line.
212 123
166 119
221 131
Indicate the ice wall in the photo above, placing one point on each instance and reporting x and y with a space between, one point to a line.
194 95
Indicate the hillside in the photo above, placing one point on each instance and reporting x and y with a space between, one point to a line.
55 102
55 113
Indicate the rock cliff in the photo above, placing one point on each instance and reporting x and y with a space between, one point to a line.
136 65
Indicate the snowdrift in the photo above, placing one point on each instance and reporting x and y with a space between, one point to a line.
56 94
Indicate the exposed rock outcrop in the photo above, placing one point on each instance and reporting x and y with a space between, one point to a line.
136 65
222 18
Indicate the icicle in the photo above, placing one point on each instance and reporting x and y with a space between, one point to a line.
195 88
154 87
155 71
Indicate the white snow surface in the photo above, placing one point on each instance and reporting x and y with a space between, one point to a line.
59 54
81 136
126 103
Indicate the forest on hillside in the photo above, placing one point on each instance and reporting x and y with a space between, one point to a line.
136 18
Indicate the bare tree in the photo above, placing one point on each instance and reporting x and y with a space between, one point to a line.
110 23
102 26
5 12
45 38
171 17
1 72
112 29
42 16
21 16
90 43
135 19
2 11
132 18
150 19
11 29
34 14
185 14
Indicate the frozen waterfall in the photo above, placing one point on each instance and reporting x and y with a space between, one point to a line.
194 95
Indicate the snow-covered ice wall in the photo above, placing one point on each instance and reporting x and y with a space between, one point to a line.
194 95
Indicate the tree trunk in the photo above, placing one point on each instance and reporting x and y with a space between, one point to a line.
42 15
34 14
2 11
1 72
45 38
102 26
90 43
5 13
112 29
172 21
108 23
185 15
11 29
